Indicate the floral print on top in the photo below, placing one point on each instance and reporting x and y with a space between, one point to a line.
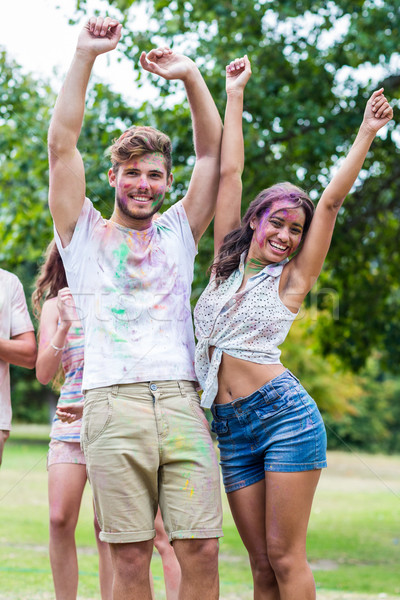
249 324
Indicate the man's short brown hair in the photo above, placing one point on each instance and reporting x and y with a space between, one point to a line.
136 141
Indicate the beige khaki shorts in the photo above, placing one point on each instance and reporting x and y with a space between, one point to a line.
147 444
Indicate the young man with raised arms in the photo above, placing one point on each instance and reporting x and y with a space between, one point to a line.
145 437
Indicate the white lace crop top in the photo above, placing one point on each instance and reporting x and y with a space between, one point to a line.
249 324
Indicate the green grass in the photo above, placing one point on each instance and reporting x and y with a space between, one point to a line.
353 542
356 524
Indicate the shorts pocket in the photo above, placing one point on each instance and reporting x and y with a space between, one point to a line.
220 427
97 414
269 408
193 400
225 439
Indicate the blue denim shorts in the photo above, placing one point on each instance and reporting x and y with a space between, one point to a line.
276 428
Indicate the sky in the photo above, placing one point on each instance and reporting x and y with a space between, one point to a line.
36 34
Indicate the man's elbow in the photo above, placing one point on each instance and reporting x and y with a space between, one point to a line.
54 140
55 148
29 360
59 143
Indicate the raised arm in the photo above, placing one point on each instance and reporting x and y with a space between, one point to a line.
200 198
305 268
56 318
67 175
227 214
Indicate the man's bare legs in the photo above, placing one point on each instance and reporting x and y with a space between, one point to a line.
198 559
131 563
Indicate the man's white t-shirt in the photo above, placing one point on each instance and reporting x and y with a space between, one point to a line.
132 292
14 320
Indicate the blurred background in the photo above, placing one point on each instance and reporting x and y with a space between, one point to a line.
315 63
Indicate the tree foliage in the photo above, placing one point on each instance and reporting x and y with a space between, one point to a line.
314 64
25 222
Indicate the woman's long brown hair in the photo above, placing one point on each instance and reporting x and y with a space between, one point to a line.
50 280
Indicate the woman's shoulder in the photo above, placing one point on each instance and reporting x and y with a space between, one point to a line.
50 309
51 304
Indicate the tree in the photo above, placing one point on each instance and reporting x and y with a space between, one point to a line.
314 64
25 222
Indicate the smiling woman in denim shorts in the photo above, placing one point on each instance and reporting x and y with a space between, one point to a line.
270 433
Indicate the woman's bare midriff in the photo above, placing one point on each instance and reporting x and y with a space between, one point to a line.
238 378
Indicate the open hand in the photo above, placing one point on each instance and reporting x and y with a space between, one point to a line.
167 64
99 36
238 73
378 111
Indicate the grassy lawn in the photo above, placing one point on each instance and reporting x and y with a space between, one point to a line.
353 544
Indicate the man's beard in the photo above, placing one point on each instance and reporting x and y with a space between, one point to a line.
141 216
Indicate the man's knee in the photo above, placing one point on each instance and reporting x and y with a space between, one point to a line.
132 560
198 555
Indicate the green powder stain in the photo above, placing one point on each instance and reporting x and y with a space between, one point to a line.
253 266
162 227
122 255
118 311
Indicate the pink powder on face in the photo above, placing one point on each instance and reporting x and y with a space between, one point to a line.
282 210
144 180
289 212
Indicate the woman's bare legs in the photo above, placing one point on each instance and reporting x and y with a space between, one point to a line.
248 510
66 484
105 564
289 498
171 568
272 518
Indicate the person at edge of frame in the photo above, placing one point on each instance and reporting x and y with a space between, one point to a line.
17 344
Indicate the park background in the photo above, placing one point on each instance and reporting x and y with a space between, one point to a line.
315 63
